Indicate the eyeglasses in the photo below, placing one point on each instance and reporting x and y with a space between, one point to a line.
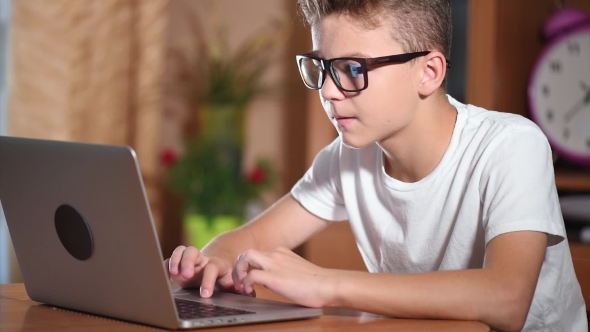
349 73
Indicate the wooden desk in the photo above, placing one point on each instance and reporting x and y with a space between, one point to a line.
19 313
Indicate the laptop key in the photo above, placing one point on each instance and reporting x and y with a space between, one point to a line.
191 310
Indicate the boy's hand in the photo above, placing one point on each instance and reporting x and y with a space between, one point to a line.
285 273
189 268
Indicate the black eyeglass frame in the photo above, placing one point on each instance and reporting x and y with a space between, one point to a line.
364 62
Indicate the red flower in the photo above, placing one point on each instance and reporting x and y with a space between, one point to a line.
169 158
257 175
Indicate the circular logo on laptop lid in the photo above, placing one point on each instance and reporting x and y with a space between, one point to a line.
73 232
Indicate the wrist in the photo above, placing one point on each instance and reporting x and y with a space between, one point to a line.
331 287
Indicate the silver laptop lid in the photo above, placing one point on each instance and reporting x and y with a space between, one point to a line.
89 200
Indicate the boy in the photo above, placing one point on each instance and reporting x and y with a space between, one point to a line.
454 208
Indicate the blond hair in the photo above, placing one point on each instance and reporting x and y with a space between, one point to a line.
417 25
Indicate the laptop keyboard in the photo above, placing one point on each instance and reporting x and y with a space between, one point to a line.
191 310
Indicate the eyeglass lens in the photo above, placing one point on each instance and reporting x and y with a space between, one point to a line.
347 73
311 72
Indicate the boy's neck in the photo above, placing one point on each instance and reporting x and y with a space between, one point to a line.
413 153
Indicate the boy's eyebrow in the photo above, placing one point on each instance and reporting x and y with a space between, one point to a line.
355 55
318 54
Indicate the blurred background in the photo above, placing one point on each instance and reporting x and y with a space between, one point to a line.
213 86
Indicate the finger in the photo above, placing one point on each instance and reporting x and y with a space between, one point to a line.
175 260
224 279
249 259
234 272
210 274
256 277
191 257
167 267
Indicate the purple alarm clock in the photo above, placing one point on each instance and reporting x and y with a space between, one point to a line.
559 86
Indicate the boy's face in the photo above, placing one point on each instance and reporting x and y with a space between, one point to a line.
389 103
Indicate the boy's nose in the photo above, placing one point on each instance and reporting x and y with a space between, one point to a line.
330 90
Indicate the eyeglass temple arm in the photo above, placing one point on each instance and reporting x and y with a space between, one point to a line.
400 58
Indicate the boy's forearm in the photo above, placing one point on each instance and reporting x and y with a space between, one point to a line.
285 224
463 295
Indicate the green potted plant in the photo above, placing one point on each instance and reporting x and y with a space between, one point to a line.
209 174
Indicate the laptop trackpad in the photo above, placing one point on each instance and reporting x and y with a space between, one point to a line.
234 301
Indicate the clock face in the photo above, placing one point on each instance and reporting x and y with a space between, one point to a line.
559 94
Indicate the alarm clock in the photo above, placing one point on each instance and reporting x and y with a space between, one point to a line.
559 85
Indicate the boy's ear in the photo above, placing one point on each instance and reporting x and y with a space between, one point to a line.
432 71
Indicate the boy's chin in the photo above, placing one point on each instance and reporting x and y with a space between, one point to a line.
354 142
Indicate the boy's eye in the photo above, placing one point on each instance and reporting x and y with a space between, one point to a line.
355 69
349 68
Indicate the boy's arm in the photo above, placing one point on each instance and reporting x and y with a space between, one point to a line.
285 224
499 294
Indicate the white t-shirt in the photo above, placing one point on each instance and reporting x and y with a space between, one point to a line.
495 177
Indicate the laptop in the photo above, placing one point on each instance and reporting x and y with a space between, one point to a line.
85 240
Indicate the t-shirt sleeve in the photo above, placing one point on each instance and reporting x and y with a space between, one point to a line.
320 189
518 187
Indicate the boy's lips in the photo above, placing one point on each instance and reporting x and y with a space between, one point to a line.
344 120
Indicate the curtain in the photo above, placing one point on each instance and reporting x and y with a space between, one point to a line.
91 71
5 254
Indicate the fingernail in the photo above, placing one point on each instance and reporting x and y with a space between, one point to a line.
174 270
204 292
186 271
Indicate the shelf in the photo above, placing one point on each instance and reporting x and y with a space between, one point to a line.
572 179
